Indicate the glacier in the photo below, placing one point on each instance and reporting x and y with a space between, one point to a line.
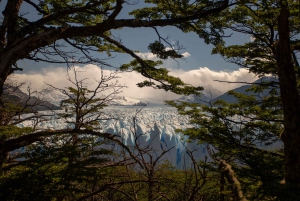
151 126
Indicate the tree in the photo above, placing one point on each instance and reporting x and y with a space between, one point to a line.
67 163
84 107
78 163
274 50
86 26
289 96
19 107
243 134
159 180
236 130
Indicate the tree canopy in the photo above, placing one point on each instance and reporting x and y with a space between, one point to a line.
248 132
86 26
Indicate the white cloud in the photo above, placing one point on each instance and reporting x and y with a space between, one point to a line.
147 56
206 77
199 77
57 77
186 54
151 56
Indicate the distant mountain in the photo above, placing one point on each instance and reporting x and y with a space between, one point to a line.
243 89
15 95
204 98
126 101
231 99
55 97
207 95
210 95
211 91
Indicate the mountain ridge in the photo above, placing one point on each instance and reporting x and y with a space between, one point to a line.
32 103
207 97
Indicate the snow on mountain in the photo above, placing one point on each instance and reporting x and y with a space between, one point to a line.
244 90
155 126
32 101
205 97
127 101
212 95
55 97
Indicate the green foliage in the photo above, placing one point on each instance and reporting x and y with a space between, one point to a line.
99 43
55 170
247 133
12 131
259 20
102 16
60 164
208 28
159 77
159 49
81 107
77 18
69 166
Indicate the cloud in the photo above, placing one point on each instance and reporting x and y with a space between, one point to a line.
168 63
207 78
186 54
199 77
147 56
58 78
151 56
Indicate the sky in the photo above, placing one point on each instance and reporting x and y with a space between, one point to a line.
199 66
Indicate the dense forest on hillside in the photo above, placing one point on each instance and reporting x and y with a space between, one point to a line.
81 162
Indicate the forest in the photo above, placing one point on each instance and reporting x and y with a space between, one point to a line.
81 162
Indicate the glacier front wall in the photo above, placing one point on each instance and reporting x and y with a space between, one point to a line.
153 127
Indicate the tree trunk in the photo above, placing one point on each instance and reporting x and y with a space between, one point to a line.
290 100
151 184
3 154
236 188
222 187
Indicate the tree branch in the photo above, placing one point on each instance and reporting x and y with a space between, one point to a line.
231 178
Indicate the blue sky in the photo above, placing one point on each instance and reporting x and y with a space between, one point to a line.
199 60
